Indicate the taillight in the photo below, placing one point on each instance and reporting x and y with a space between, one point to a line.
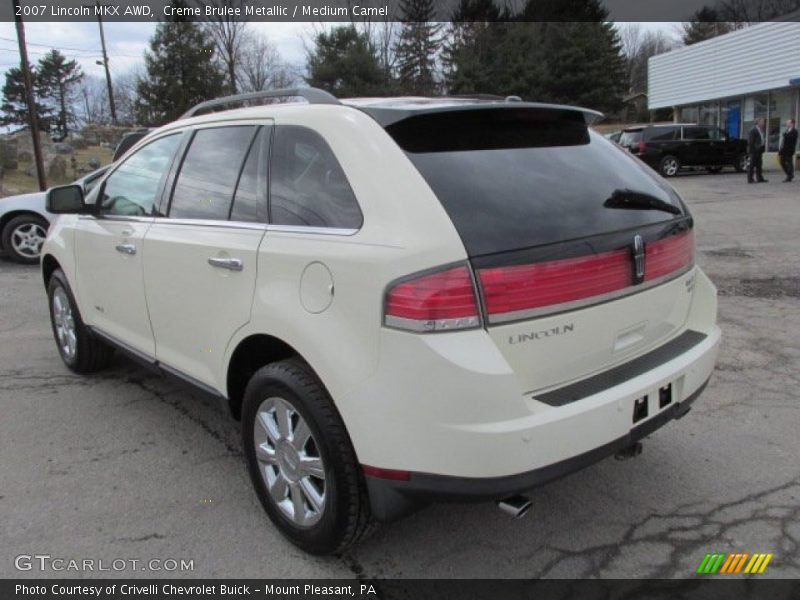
642 147
671 254
439 301
526 287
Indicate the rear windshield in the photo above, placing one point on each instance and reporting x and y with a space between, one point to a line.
517 178
629 138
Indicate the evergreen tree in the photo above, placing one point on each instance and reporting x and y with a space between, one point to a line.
586 65
58 78
344 64
181 72
552 52
416 48
465 48
15 107
705 25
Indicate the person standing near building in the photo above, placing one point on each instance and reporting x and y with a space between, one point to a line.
787 148
756 143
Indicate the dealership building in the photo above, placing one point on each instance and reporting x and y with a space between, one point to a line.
731 80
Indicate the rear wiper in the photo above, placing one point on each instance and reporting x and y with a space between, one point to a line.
629 199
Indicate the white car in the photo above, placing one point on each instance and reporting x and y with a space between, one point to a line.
404 300
24 220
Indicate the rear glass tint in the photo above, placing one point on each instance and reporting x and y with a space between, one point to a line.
514 178
662 134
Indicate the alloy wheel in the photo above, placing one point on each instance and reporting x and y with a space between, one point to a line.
27 239
290 462
64 322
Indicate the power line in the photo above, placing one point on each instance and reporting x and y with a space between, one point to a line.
50 46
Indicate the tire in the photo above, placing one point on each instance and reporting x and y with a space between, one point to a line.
714 170
81 351
334 508
669 166
741 164
23 237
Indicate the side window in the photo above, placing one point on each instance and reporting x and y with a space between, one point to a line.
664 134
246 201
207 179
131 189
90 183
695 133
307 184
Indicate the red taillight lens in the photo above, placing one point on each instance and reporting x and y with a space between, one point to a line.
526 287
642 147
434 302
671 254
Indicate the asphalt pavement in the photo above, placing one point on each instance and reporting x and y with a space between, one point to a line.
130 466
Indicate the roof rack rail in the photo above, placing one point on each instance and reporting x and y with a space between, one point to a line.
311 95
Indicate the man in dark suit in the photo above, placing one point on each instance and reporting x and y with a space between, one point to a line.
756 143
787 148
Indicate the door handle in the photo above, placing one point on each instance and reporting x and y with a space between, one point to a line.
232 264
126 249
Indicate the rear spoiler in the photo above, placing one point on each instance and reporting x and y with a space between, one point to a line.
389 116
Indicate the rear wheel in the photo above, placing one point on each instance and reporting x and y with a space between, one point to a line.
669 166
301 461
79 349
742 162
23 237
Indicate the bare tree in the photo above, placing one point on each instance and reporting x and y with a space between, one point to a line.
92 105
639 46
125 95
228 33
261 66
744 12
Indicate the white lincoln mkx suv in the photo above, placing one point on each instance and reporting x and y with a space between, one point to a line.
403 300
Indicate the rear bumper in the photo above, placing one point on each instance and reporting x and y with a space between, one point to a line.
391 499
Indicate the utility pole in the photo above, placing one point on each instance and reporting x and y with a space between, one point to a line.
105 64
33 119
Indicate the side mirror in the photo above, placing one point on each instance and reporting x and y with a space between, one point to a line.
65 199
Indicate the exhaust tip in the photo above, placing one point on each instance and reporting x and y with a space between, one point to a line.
515 506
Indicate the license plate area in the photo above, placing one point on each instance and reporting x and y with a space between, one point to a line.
642 408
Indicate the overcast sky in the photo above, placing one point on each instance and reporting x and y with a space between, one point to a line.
126 42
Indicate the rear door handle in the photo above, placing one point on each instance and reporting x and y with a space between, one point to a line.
126 249
232 264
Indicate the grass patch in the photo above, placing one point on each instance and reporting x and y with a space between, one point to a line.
17 182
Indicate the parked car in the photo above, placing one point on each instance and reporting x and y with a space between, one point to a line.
128 141
24 220
403 300
669 148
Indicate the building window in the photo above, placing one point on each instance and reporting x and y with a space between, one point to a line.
709 114
689 114
781 108
755 107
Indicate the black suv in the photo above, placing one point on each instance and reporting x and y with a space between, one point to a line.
668 148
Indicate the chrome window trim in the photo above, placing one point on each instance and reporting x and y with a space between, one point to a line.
229 224
312 230
116 218
210 223
520 315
